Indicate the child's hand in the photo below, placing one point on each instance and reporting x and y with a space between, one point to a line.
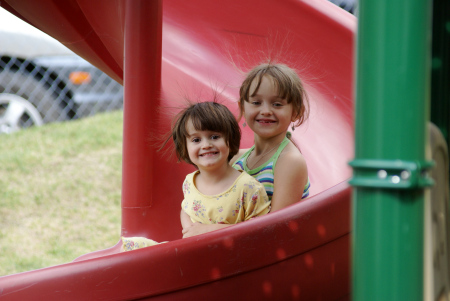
194 229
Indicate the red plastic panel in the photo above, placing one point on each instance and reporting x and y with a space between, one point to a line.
298 251
206 44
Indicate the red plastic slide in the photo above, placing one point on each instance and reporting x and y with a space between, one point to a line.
299 253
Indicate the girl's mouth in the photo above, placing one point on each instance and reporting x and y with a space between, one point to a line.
265 121
209 154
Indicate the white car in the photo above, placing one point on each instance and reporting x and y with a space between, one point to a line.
43 81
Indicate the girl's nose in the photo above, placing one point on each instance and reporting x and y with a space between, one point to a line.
265 109
206 143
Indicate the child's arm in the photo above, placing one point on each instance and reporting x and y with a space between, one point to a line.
192 229
197 229
185 220
255 200
291 176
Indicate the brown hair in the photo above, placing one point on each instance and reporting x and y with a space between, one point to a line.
287 82
206 116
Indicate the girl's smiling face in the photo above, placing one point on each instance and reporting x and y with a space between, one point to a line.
265 112
207 149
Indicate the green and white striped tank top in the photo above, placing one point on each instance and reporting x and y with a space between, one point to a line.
265 173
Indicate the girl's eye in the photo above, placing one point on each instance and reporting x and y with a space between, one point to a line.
196 140
255 102
277 104
215 137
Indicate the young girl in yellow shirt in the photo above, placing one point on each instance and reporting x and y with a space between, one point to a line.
207 136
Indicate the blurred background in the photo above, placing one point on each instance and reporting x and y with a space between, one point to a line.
42 81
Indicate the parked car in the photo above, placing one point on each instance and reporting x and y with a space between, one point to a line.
348 5
42 81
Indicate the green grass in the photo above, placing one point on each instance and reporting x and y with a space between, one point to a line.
59 192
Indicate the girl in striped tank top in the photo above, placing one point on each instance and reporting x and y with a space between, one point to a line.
272 99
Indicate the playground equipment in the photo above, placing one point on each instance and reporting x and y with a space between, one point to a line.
158 49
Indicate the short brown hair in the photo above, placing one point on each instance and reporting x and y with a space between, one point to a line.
206 116
286 80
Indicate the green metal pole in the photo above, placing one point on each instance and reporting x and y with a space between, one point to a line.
392 100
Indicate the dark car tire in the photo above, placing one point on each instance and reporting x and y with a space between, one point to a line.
23 89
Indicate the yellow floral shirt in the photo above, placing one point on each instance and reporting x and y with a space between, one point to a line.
245 199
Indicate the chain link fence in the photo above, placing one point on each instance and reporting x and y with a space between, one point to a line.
31 94
41 81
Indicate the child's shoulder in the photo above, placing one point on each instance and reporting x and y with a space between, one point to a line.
292 161
246 176
190 176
